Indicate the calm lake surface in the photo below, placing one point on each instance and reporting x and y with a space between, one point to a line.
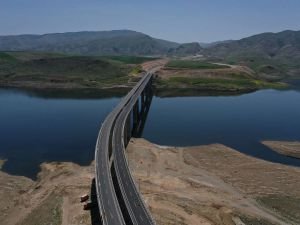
35 128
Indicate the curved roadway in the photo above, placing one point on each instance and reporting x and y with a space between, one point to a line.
110 148
135 204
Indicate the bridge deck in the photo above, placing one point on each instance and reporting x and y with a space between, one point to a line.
110 152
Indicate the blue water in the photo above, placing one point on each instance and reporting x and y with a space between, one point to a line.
240 122
35 128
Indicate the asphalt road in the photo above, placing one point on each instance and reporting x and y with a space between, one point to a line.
109 205
133 199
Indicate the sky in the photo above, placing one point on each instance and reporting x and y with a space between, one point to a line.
174 20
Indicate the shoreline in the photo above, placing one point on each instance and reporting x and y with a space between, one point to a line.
2 162
287 148
213 184
120 90
53 198
208 184
49 86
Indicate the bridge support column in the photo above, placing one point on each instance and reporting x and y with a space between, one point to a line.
143 99
136 115
148 91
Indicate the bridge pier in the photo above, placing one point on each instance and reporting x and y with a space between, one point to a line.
143 99
136 114
140 113
117 203
136 119
149 92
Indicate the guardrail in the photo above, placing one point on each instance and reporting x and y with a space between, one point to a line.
114 203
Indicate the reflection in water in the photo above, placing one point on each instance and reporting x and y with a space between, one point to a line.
294 83
50 126
240 122
35 130
138 127
163 93
69 93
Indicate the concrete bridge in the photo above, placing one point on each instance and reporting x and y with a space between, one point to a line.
118 198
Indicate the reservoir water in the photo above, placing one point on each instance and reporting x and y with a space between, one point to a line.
54 126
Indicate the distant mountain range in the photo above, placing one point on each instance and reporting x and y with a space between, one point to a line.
266 44
270 53
212 44
193 48
118 42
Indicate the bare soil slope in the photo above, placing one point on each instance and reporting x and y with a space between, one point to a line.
214 185
52 199
291 149
224 73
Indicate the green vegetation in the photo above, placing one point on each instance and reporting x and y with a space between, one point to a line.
49 212
99 43
277 68
186 49
130 59
218 84
230 80
136 70
4 57
286 206
270 69
187 64
254 221
49 70
273 56
53 70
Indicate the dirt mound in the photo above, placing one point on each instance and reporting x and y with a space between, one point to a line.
52 199
212 185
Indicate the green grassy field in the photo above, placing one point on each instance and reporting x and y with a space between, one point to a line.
58 70
187 64
216 81
227 84
286 206
50 212
129 59
49 70
4 57
267 68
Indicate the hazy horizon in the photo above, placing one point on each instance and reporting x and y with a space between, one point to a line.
141 32
181 21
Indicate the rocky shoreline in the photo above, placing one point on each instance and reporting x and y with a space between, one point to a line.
212 185
288 148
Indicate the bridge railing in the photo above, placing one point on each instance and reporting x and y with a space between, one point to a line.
141 214
109 205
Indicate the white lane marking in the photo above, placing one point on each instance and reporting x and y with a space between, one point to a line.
141 217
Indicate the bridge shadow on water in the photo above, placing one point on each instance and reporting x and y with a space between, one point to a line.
134 128
94 211
138 128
